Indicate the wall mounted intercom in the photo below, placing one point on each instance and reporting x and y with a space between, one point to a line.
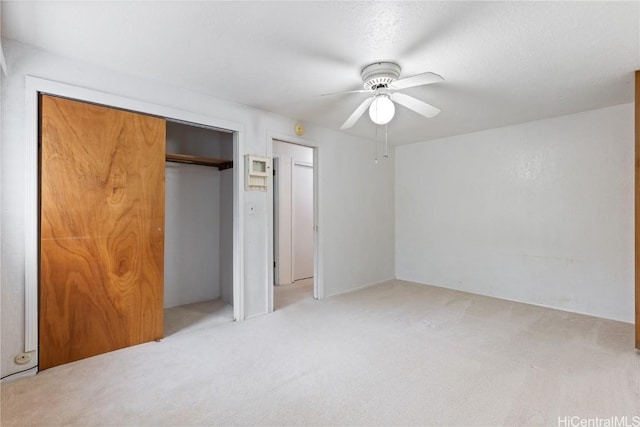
257 172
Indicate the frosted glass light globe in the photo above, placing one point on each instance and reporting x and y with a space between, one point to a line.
382 110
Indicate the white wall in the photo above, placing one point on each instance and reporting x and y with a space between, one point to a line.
192 234
287 154
540 212
198 141
356 196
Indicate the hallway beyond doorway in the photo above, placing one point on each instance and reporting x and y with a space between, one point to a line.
285 295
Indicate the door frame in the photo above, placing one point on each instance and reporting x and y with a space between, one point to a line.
275 230
33 87
637 206
318 232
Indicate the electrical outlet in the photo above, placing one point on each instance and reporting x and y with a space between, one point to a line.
22 359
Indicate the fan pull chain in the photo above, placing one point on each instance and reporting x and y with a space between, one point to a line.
386 141
376 145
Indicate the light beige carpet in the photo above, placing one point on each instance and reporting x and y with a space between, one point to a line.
392 354
285 295
187 318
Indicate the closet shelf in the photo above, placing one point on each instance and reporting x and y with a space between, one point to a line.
221 164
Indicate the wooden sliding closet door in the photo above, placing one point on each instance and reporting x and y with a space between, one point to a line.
102 229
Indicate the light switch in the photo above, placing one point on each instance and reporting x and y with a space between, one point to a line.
252 209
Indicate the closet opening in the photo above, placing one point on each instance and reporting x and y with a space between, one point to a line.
124 237
198 257
293 223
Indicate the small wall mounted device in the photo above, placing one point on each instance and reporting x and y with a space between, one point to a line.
257 172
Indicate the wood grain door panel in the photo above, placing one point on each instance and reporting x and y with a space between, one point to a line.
101 228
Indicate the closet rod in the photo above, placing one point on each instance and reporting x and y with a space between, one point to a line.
221 164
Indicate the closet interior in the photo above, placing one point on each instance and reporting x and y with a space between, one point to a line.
198 264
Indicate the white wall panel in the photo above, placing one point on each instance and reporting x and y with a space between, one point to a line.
540 212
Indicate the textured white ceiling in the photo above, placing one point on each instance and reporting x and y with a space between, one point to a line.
503 62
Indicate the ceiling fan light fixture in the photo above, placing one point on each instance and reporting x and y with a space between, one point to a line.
382 110
382 78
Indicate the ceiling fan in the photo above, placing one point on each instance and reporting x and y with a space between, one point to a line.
381 79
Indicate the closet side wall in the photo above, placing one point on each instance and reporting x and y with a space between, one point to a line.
192 218
192 235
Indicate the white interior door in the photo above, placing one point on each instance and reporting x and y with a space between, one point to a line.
302 221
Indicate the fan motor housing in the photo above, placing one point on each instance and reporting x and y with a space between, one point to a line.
380 74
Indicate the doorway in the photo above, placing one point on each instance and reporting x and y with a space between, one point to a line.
294 223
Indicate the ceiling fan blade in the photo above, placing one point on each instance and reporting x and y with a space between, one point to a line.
414 104
353 118
417 80
348 91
